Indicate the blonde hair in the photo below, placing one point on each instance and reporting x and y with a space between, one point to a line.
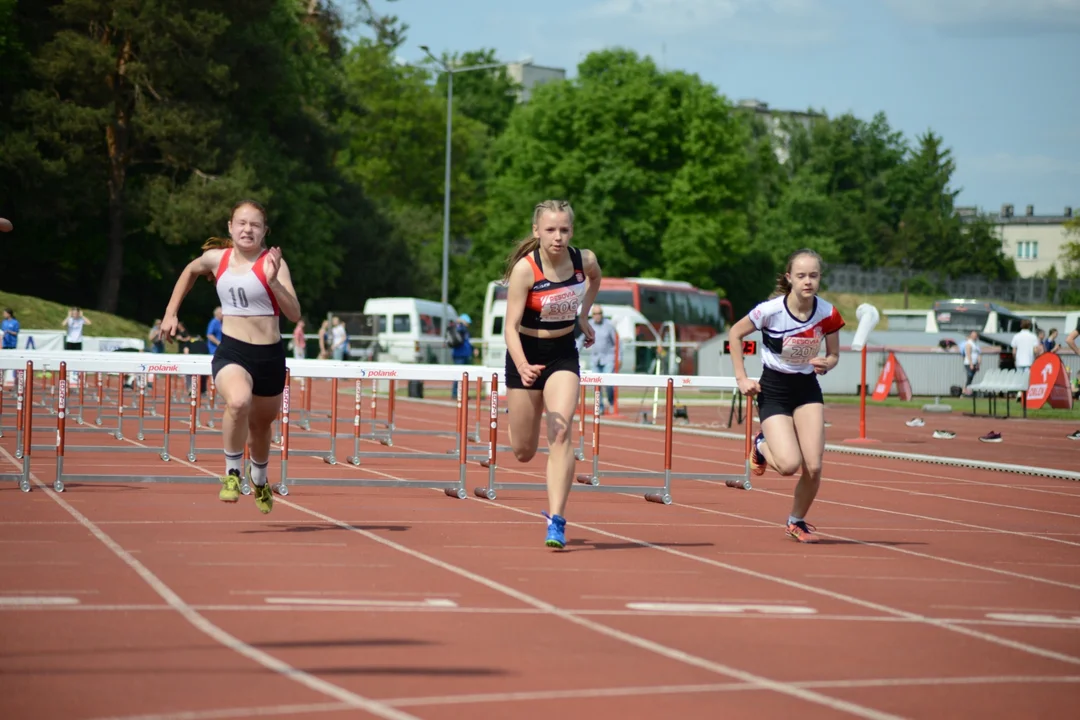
783 285
531 241
215 243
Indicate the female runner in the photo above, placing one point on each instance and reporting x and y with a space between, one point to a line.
551 288
254 287
792 323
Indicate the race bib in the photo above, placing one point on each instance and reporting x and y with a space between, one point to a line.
801 350
559 307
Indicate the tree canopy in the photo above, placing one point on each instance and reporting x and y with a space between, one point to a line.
128 128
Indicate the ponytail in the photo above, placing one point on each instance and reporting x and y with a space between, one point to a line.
523 249
216 243
783 287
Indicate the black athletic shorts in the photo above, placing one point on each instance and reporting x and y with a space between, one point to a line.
265 363
782 392
555 354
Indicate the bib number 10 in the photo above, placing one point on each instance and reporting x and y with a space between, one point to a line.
238 294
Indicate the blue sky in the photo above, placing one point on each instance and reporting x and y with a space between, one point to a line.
998 79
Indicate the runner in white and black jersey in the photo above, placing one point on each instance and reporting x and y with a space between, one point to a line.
792 323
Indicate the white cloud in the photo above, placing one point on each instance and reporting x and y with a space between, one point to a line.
781 22
997 16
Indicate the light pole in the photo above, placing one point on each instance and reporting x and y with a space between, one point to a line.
449 70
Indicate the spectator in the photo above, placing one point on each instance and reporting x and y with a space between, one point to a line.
603 351
10 329
157 343
972 357
1050 344
299 342
461 348
1024 345
74 323
213 332
339 339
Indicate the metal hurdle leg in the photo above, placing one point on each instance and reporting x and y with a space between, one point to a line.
61 447
452 488
24 420
488 493
657 494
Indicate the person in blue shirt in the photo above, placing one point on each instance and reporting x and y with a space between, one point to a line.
10 328
463 353
213 332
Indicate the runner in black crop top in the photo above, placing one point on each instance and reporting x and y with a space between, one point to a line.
543 373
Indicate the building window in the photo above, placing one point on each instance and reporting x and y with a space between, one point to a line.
1027 250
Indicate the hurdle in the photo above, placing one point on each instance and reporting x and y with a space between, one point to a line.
107 363
24 413
660 493
194 366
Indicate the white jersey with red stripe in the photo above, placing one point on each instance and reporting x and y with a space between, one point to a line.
788 343
247 293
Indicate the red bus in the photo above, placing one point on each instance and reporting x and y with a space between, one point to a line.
697 315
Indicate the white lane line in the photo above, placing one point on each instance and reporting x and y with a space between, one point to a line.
211 630
1015 645
347 602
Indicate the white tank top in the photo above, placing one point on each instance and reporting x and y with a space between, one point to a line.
247 293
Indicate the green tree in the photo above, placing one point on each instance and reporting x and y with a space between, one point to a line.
654 163
114 95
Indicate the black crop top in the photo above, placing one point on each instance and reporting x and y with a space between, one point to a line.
553 305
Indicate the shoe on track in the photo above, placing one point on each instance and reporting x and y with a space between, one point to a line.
556 531
992 436
802 531
230 488
944 434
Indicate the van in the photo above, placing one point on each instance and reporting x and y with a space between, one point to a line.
410 330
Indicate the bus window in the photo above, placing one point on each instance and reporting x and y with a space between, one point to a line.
615 297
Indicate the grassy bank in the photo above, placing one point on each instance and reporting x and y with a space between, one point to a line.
36 314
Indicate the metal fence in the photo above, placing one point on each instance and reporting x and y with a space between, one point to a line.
1032 290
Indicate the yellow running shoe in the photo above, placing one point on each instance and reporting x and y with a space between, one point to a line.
264 496
230 488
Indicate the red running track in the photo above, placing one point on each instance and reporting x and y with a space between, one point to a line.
937 593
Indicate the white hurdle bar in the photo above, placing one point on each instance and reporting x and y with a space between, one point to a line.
591 481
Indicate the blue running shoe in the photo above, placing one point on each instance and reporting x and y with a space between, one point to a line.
556 531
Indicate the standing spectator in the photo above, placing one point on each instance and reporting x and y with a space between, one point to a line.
339 339
1050 344
74 323
972 357
1024 345
213 332
325 340
461 348
603 352
299 342
157 343
1070 339
10 329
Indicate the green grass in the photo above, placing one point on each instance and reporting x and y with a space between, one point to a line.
847 303
37 314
